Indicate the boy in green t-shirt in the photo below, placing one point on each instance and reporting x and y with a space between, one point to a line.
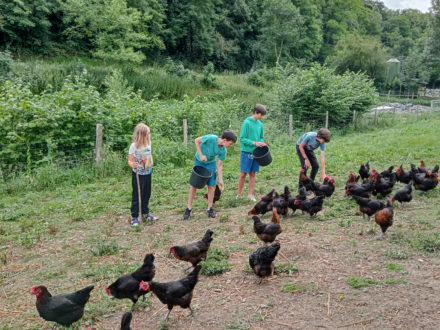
251 137
209 147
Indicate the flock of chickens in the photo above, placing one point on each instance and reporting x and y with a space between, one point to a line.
66 309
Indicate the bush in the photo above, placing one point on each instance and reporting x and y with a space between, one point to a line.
309 93
5 63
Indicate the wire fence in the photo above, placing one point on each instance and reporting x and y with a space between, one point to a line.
72 153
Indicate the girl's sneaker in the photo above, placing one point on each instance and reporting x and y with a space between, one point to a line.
151 217
134 222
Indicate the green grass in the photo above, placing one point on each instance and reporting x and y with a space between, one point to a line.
81 223
359 282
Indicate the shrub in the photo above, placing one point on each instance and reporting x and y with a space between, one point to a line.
5 63
309 93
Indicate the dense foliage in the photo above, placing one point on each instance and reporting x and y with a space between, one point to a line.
237 35
308 94
41 128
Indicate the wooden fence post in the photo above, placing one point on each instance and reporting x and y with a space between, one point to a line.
375 116
185 133
388 97
326 119
290 126
354 118
432 107
98 143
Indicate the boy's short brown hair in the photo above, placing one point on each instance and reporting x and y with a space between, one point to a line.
325 134
259 108
229 135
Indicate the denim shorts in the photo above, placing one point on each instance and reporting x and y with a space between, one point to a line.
248 163
212 168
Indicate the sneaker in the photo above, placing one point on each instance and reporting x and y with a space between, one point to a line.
211 213
252 198
151 217
134 222
187 214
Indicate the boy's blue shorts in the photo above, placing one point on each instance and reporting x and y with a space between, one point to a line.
247 163
211 167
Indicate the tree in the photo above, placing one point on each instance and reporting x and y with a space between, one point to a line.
360 54
280 24
109 28
24 24
432 47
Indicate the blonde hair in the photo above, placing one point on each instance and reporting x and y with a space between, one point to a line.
141 135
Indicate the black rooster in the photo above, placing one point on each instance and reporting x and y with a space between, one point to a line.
63 309
261 261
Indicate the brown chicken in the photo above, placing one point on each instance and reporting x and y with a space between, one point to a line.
384 218
267 232
63 309
306 181
261 261
217 194
193 252
368 206
176 293
264 205
422 168
275 217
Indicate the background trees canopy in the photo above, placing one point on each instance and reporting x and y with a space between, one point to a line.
238 35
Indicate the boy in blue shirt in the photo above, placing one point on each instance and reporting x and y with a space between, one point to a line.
304 148
209 147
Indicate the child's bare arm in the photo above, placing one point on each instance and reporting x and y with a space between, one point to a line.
132 162
220 174
198 143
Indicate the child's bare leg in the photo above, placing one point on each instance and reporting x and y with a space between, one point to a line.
251 182
241 180
211 190
192 193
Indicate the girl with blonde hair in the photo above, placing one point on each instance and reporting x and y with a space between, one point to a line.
140 159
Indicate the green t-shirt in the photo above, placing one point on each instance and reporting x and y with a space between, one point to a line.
251 130
210 149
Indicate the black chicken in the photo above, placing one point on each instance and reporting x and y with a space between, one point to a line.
368 206
363 190
311 206
425 181
217 194
301 197
127 286
193 252
403 195
126 320
280 202
325 189
402 176
267 232
176 293
264 205
63 309
384 183
364 170
261 261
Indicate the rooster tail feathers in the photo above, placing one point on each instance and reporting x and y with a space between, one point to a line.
82 296
149 258
126 320
208 236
